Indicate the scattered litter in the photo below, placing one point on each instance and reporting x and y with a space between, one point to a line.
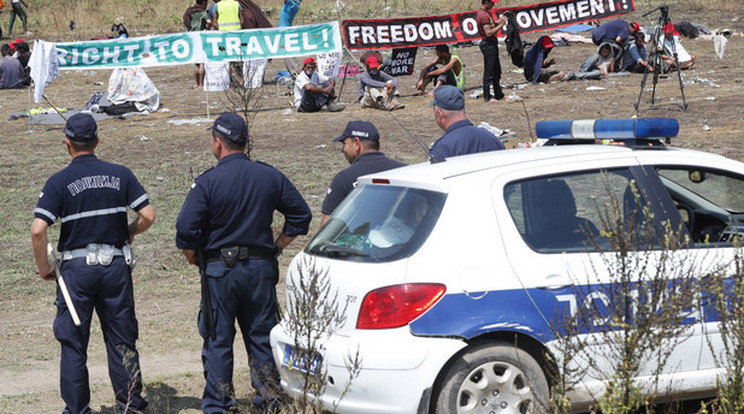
164 110
187 152
288 111
493 129
720 42
159 178
143 138
513 97
595 88
703 81
192 121
98 83
706 128
476 93
320 146
541 90
710 98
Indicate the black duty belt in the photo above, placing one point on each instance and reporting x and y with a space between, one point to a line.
231 254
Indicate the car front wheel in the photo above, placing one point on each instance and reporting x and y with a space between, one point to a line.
492 378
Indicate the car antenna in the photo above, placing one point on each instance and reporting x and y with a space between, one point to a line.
433 159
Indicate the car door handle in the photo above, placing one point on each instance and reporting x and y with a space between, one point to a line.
555 281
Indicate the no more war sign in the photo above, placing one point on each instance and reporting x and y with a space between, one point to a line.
199 47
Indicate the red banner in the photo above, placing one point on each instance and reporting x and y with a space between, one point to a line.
461 27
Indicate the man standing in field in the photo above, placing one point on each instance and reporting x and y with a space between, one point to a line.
90 198
360 143
225 228
489 46
460 135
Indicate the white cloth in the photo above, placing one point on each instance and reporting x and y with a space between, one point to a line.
133 85
216 76
682 55
44 67
302 79
719 42
253 73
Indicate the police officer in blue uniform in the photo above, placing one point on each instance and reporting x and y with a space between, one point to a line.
227 215
90 198
461 136
361 147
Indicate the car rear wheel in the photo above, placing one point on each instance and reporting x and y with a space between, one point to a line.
492 378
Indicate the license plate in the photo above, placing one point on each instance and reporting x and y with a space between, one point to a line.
297 359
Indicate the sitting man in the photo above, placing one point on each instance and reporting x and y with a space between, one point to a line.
313 91
672 46
450 73
377 89
635 58
461 136
11 71
596 65
536 59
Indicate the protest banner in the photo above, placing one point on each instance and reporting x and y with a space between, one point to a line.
402 61
461 27
199 47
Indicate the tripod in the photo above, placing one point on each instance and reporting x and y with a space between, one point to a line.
658 62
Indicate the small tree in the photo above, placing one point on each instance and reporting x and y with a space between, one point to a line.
726 289
312 312
637 314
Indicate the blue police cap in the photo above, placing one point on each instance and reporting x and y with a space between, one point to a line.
359 129
232 126
449 97
81 127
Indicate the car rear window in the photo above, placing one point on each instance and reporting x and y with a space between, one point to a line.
378 223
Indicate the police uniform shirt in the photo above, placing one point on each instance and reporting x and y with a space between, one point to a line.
462 137
233 204
345 180
90 199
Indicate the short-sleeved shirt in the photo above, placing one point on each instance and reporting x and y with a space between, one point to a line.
233 204
90 198
345 181
462 137
609 31
482 18
302 79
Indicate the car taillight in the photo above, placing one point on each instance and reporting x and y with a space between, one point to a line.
394 306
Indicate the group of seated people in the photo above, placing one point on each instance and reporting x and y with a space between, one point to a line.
14 70
621 46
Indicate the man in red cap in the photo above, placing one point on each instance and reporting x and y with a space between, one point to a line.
674 54
377 89
313 91
536 59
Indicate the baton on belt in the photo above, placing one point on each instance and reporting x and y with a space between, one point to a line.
52 260
206 298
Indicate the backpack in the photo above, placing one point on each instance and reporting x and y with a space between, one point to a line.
198 20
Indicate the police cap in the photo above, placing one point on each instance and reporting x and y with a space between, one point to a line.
359 129
449 97
81 127
232 127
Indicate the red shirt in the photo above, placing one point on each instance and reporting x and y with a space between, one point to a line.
484 17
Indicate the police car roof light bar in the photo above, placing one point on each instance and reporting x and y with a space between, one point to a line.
640 132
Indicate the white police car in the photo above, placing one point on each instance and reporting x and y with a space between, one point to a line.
453 270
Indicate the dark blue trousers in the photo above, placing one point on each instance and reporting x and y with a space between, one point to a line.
491 70
108 290
246 293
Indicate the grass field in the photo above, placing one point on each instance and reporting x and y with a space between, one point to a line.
166 156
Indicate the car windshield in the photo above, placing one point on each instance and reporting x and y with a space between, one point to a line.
378 223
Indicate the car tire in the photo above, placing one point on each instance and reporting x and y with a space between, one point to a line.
492 377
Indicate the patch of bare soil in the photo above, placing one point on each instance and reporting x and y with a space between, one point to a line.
166 156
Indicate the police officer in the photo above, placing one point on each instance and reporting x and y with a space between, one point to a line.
361 147
90 198
460 135
227 215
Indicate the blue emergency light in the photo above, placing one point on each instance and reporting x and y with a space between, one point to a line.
636 132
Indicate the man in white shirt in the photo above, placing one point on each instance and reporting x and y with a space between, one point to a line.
313 91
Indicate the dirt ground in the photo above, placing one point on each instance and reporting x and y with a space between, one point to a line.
166 155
